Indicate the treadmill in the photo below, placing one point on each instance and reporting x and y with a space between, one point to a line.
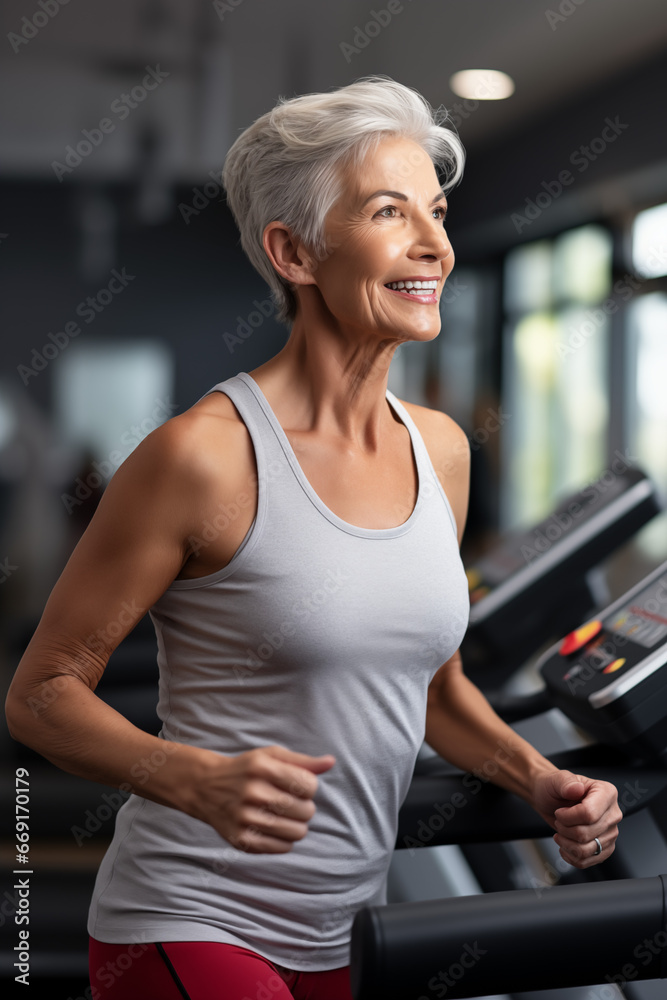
535 584
609 676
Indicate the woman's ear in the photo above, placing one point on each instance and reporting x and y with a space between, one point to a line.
288 256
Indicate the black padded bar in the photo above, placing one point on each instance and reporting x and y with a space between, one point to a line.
507 942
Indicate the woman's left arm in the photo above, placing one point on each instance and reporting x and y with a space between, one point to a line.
463 728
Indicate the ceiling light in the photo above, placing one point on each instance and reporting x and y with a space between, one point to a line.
482 84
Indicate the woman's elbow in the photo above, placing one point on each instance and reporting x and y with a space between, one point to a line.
26 707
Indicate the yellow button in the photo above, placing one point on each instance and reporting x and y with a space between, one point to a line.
616 665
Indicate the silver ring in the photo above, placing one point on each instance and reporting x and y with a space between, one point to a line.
599 850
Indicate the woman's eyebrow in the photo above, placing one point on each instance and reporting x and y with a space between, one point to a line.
397 194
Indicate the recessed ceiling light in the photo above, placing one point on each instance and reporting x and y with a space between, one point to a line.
482 84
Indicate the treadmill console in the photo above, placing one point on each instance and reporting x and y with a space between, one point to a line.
610 675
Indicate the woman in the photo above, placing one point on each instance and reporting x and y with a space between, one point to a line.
295 536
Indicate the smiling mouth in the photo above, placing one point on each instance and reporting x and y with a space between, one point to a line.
428 294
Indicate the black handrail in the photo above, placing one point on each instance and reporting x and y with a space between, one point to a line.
507 942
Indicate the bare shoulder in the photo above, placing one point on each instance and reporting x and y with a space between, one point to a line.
203 445
214 420
449 451
178 474
446 442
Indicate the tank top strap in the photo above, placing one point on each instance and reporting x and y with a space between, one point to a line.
422 457
425 467
240 389
278 492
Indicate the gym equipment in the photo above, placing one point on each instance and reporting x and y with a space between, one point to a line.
532 586
609 677
579 935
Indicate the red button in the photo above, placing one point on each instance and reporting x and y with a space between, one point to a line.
575 640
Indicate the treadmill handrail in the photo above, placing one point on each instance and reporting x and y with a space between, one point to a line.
509 942
454 807
525 576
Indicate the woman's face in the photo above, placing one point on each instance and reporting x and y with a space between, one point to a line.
387 227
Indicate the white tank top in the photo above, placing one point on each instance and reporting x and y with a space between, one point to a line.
320 636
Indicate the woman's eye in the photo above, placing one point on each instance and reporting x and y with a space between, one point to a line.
440 212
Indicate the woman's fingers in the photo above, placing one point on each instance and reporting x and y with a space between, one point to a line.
589 851
262 829
261 801
598 815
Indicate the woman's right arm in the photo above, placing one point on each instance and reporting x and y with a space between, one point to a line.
134 547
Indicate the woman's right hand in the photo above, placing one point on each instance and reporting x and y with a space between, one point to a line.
261 801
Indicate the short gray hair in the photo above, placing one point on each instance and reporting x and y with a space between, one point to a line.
287 165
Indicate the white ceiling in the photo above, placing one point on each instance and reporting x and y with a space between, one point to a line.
228 65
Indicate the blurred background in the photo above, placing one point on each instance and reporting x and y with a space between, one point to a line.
126 295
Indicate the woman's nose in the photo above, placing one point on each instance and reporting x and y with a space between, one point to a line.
432 240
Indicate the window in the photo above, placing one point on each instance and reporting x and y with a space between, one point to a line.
109 396
646 371
556 358
649 242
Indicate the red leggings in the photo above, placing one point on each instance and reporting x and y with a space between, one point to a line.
203 970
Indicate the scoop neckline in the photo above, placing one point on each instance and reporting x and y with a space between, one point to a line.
304 482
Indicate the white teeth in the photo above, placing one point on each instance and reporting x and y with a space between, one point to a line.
413 286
